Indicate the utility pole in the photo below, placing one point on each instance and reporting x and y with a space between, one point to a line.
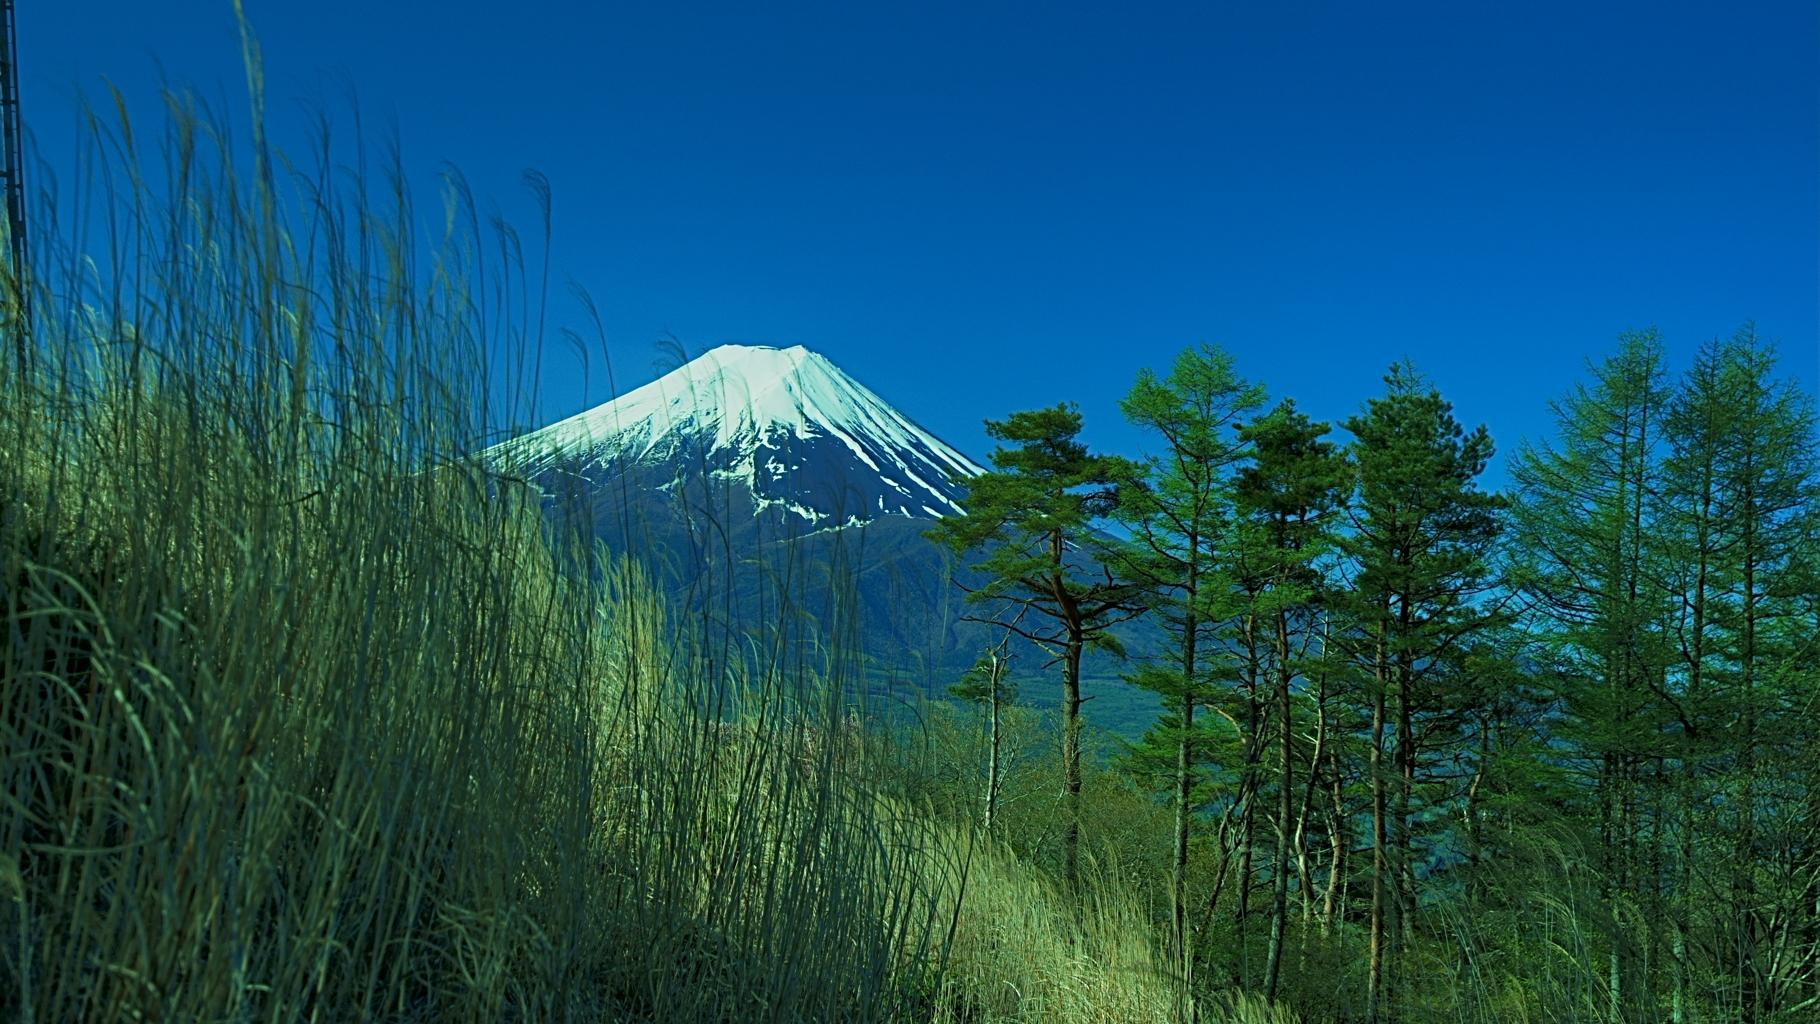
12 166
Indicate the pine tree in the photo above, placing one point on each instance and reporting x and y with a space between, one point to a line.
1585 547
1739 491
1179 519
1289 496
1421 540
1032 519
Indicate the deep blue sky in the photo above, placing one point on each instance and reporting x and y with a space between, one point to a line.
980 207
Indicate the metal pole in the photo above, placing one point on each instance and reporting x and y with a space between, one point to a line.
12 167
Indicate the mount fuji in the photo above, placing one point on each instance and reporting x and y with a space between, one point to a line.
811 447
754 480
757 483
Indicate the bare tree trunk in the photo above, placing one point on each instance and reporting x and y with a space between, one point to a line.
1693 651
1745 860
1071 765
1248 788
1404 866
1301 823
1616 836
1184 794
992 758
1374 977
1475 843
1403 858
1333 906
1219 877
1279 900
1242 879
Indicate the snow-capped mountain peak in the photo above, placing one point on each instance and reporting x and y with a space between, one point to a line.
799 432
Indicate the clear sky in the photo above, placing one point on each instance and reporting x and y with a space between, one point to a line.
979 207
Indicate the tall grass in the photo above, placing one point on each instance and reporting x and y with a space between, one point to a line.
308 714
1024 949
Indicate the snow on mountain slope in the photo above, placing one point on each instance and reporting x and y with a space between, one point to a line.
803 436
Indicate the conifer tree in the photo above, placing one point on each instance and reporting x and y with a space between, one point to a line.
1179 518
1421 540
1288 496
1032 520
1739 490
1586 549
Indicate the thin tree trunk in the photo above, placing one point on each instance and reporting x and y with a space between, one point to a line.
1694 653
1374 976
1404 866
1744 855
1219 877
1248 788
1071 765
1242 878
1184 766
992 763
1616 835
1314 776
1279 903
1184 783
1475 844
1333 907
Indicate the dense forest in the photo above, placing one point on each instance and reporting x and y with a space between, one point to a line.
1550 751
